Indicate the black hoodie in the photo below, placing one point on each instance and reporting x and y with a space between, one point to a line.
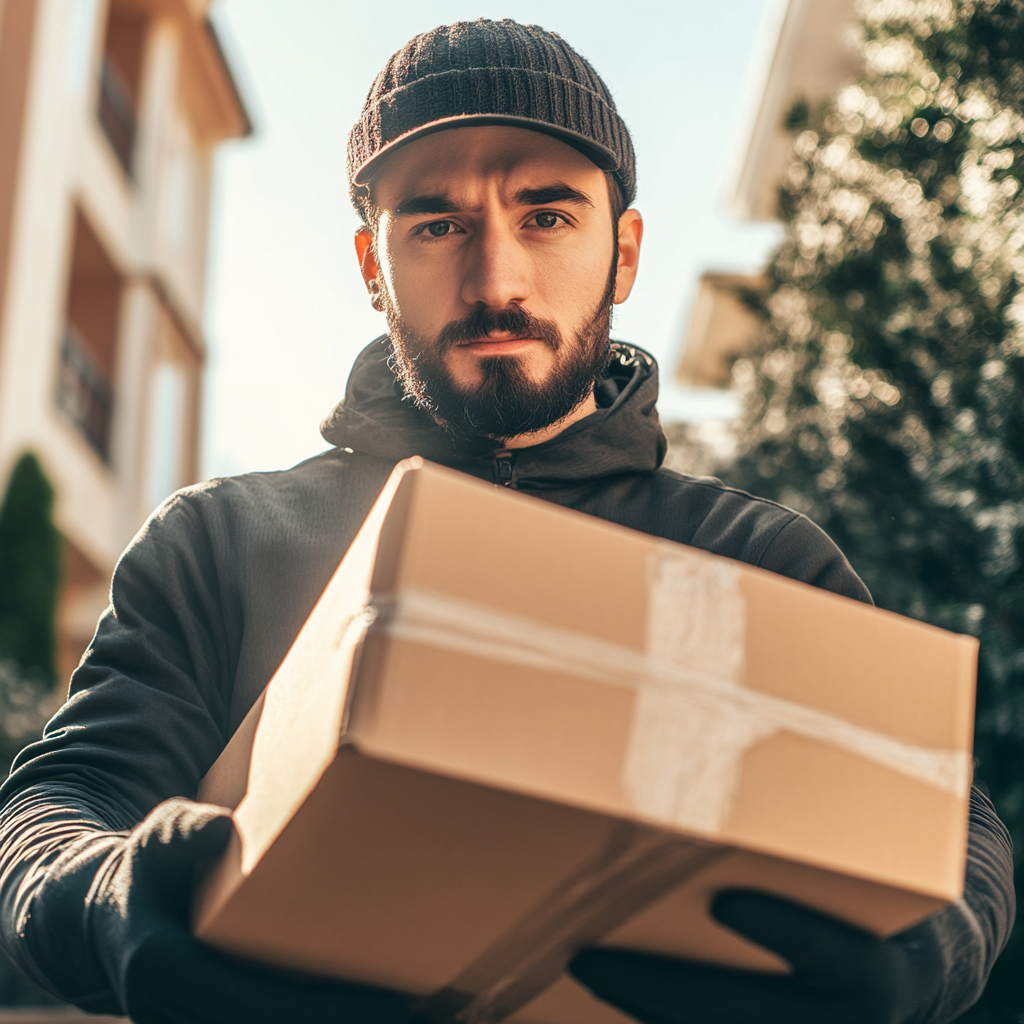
207 599
606 465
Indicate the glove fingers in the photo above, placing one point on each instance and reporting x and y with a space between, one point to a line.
172 979
820 949
182 833
656 990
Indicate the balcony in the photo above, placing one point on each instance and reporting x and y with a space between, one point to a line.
117 114
84 394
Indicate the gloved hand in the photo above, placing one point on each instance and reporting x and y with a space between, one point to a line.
841 975
136 933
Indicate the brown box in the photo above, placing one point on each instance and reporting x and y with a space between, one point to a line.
509 730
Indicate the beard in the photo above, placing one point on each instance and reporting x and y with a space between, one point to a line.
507 401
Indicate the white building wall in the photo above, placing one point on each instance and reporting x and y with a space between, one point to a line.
812 54
34 312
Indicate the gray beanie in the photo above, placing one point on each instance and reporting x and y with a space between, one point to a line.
491 72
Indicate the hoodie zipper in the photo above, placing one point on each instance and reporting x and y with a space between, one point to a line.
502 468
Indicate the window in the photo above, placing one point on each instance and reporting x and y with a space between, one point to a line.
85 389
166 432
171 424
80 38
120 80
84 392
178 189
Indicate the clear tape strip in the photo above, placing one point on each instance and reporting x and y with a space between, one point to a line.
440 620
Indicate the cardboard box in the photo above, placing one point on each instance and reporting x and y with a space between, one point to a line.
509 730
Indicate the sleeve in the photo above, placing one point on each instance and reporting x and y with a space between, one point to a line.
972 933
53 841
146 716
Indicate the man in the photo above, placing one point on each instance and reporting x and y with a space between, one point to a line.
494 177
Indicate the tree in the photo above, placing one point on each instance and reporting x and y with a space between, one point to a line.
886 396
30 566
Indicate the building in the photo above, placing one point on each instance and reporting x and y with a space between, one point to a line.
810 58
110 113
721 326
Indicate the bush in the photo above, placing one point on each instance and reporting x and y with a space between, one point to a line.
30 565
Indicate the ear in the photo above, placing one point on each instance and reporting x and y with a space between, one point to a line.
368 264
631 234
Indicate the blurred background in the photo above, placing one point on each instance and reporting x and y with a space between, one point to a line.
830 281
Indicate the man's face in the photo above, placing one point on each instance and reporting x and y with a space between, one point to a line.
495 261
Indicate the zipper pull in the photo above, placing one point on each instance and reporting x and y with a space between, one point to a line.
503 468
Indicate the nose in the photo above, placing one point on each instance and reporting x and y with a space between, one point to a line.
496 268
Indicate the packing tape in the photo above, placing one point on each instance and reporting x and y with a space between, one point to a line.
637 865
687 742
694 719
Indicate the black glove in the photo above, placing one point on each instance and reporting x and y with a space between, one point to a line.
133 937
841 975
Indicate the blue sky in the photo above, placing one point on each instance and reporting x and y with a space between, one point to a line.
287 312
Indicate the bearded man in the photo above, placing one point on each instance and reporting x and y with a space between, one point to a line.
495 178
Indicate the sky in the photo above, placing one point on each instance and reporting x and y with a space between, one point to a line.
287 312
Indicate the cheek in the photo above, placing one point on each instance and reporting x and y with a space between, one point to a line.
420 289
575 282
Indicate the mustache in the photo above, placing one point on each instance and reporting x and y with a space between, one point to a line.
512 319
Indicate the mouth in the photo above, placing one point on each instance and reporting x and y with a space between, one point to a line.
499 346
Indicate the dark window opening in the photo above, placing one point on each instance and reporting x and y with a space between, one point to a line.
120 80
85 389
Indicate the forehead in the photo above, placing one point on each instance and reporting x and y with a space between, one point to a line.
460 160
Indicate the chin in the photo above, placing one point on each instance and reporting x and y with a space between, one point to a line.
525 365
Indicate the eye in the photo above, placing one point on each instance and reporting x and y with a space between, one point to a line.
439 228
546 220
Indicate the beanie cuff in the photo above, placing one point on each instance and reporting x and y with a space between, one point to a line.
479 96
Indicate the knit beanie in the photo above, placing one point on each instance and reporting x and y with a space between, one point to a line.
491 72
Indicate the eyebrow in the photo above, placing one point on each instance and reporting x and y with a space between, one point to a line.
416 205
559 192
556 193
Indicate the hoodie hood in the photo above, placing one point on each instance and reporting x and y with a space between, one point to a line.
624 435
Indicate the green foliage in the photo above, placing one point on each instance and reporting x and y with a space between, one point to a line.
30 565
27 703
887 397
799 115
